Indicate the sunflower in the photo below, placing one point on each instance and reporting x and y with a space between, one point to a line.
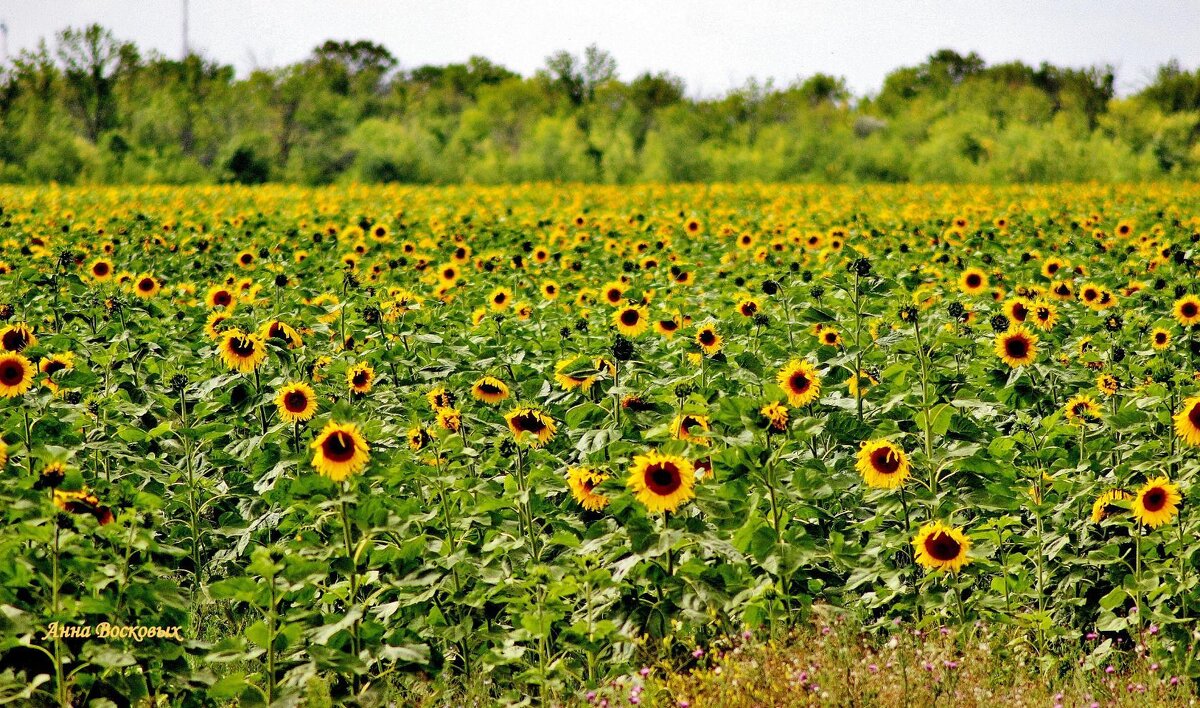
973 281
241 351
296 402
583 482
830 337
575 373
776 415
864 379
749 307
418 438
1051 267
439 397
1080 408
500 298
1104 506
1016 309
667 327
16 375
1187 310
708 339
691 428
277 329
490 389
83 501
212 327
1160 338
220 296
1062 291
882 464
146 286
340 450
1017 347
1187 421
631 320
1043 315
800 381
550 290
1157 502
101 269
17 337
941 547
530 425
245 260
662 482
360 378
52 476
1108 384
449 419
53 364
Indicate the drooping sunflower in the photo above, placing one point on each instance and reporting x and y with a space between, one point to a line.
939 546
1108 384
278 329
360 378
708 339
575 373
690 427
51 365
667 327
297 402
973 281
583 482
1187 421
530 425
1081 408
882 464
82 501
631 320
1104 507
1187 310
662 482
340 450
865 380
418 438
212 327
490 390
16 375
439 397
776 415
449 419
800 381
17 337
1017 346
1160 338
1157 502
242 351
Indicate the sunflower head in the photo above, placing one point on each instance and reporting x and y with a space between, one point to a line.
17 337
800 381
882 464
296 402
1106 504
691 427
360 378
631 320
1187 421
938 546
16 375
662 482
339 451
242 351
530 426
583 482
1157 502
490 390
973 281
708 340
776 416
1016 346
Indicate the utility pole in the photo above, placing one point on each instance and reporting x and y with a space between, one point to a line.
186 50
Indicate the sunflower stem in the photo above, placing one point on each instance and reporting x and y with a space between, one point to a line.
347 539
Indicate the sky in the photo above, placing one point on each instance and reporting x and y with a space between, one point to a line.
713 45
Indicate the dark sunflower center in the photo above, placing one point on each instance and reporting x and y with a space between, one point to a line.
1155 499
500 298
613 295
941 546
1043 314
247 258
14 340
295 401
1019 312
53 366
1052 268
1194 416
663 478
100 269
668 325
1016 347
338 447
1081 409
708 338
242 346
528 423
1160 338
11 373
799 382
629 318
1188 309
146 284
489 389
222 298
361 378
885 461
974 280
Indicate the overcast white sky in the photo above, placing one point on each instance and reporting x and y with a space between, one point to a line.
713 45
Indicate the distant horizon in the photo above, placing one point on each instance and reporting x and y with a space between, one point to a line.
769 42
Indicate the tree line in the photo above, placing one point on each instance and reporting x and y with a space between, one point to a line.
90 108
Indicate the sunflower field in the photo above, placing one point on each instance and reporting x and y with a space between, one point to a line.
280 445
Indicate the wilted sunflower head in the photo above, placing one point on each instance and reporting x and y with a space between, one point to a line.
530 426
490 390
